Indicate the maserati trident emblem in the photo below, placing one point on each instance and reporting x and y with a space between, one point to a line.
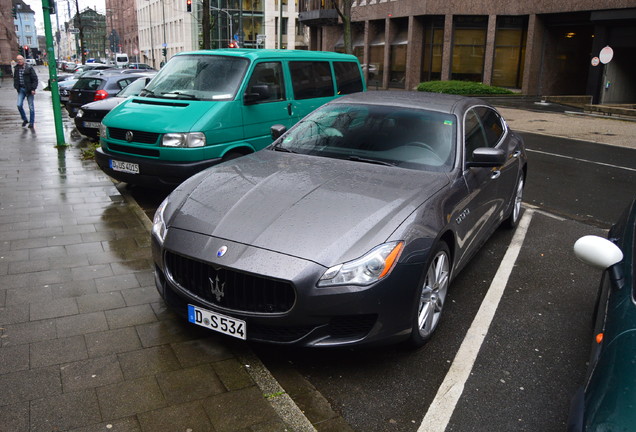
221 251
129 136
217 288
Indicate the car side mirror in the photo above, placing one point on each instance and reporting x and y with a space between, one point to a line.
602 254
256 94
277 130
487 157
597 252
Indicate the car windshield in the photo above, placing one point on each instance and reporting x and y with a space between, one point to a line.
386 135
134 88
203 77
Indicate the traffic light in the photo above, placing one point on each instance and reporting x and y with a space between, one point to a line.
233 44
15 13
164 51
188 5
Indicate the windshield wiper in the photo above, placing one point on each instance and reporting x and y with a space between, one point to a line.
149 93
372 161
280 148
180 95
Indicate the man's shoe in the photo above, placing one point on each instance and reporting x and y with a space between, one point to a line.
30 125
24 123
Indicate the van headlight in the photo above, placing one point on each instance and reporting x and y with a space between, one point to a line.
189 139
369 268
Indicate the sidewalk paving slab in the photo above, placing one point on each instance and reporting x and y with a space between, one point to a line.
86 343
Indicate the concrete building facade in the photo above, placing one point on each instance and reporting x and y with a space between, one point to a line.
121 28
25 30
541 47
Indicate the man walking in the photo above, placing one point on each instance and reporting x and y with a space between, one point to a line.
25 81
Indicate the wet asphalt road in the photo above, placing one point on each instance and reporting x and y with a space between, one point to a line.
535 353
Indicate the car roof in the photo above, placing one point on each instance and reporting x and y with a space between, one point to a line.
253 54
413 99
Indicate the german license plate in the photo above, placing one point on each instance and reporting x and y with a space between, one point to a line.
93 125
217 322
127 167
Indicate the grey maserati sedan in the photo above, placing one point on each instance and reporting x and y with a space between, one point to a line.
348 229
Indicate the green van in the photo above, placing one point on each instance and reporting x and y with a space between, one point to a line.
205 107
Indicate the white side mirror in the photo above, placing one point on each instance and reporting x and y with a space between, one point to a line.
597 251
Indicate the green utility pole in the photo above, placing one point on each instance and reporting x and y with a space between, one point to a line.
47 10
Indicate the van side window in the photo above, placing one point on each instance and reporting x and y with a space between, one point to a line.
348 77
311 79
267 81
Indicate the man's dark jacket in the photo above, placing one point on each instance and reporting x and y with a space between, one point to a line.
30 78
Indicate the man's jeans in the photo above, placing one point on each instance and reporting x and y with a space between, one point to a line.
22 93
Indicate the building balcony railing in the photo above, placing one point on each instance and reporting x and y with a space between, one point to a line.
318 17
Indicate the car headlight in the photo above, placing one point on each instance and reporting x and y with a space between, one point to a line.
102 130
159 228
190 139
80 113
369 268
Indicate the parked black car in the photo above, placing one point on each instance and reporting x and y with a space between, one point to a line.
97 87
90 116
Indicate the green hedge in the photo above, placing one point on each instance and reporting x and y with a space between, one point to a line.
461 88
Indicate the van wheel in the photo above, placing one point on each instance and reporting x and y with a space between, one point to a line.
231 155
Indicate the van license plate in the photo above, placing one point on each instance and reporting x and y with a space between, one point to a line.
127 167
217 322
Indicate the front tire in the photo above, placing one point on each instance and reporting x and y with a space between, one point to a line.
431 296
515 214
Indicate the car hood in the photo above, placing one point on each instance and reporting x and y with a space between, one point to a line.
104 105
166 115
324 210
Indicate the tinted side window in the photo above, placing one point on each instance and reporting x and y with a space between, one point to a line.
492 124
311 79
267 80
348 77
473 134
88 84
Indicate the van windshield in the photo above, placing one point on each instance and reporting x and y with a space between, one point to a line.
198 77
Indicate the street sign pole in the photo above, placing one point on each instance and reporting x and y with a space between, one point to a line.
50 55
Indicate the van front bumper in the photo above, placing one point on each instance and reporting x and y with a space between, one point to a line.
152 173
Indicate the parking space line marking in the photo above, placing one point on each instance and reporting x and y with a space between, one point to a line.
441 409
582 160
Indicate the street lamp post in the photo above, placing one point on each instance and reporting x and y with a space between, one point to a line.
229 18
152 42
165 45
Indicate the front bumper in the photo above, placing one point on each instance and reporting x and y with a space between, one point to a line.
153 173
326 316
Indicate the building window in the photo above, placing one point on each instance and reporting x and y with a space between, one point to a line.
469 48
510 49
28 40
433 47
397 55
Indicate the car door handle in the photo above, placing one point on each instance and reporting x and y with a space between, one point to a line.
516 154
495 174
289 108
